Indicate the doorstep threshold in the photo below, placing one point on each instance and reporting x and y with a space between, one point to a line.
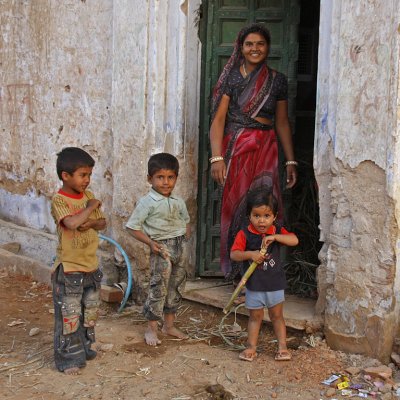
299 312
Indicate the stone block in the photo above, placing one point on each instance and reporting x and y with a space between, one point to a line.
382 371
111 294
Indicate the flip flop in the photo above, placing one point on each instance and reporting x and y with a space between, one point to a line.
250 358
283 355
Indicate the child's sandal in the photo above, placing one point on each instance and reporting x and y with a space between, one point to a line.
283 355
248 355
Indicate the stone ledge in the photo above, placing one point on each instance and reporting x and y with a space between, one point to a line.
25 266
39 246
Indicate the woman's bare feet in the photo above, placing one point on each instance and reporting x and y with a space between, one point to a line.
173 331
72 371
150 335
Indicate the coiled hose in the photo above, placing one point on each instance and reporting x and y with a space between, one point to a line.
128 267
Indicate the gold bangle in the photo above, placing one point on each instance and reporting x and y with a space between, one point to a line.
215 159
295 163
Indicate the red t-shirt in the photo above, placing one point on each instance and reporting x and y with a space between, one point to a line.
240 239
269 276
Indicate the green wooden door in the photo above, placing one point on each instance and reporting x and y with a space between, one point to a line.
221 21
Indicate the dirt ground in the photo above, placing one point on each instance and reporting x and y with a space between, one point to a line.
204 367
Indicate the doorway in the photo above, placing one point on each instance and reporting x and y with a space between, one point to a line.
294 30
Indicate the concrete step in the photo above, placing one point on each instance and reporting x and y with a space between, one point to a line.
299 312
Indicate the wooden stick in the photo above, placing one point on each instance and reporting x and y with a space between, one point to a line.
242 282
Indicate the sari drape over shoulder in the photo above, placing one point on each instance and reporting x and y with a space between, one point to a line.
250 152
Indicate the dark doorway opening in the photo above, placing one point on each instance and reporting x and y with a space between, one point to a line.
303 211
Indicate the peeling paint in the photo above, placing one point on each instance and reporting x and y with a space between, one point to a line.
356 164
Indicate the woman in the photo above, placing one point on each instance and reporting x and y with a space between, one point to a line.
249 104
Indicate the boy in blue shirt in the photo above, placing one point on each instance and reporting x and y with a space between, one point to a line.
161 221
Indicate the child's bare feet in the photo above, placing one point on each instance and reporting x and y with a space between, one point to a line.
150 336
173 331
72 371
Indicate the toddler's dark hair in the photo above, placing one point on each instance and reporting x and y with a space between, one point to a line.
254 28
162 161
259 198
70 159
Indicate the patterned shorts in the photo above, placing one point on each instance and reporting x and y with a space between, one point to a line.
167 281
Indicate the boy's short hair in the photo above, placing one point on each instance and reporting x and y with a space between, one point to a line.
70 159
261 197
162 161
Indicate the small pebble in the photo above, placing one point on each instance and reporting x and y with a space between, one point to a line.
106 347
34 331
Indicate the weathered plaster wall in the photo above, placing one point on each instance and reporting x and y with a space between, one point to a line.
155 107
119 78
55 91
356 159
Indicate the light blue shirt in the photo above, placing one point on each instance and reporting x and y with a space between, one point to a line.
159 217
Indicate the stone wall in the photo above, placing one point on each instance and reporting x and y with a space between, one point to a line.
97 74
356 158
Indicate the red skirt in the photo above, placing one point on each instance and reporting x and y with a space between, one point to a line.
253 163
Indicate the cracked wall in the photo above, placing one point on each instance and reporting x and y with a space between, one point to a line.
355 159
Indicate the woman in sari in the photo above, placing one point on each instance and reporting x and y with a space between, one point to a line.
249 107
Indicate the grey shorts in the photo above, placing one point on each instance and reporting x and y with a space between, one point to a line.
256 300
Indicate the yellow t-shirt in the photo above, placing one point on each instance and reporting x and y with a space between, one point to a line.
76 250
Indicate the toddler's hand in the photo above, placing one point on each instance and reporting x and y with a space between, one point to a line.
268 240
257 257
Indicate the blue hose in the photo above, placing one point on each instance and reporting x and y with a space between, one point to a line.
128 267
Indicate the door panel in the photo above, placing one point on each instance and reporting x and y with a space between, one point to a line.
222 21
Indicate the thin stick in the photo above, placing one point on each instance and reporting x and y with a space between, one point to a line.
39 352
242 282
18 365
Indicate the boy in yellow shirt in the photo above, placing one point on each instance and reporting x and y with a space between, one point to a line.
76 277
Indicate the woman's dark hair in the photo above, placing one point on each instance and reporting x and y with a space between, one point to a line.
162 161
258 198
254 28
70 159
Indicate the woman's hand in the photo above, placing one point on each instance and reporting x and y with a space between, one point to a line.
291 176
218 171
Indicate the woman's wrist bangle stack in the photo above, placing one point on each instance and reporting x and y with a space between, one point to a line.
295 163
215 159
